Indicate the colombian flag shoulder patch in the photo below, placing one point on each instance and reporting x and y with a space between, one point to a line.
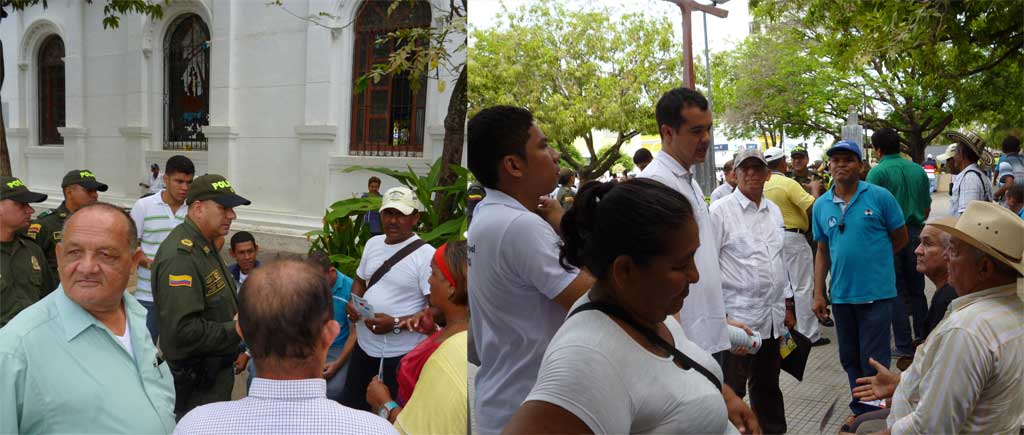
179 280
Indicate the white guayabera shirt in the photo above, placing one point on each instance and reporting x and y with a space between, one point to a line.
754 282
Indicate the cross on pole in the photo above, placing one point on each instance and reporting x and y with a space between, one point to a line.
687 7
705 171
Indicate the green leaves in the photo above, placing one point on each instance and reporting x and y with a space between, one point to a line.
345 233
577 71
914 65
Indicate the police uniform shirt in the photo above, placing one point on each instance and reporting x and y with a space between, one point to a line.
24 277
195 295
47 231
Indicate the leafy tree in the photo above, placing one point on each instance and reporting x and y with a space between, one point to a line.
923 64
577 71
769 86
112 12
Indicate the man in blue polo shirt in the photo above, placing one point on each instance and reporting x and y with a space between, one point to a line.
858 226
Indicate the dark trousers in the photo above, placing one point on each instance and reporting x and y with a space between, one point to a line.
189 396
911 301
863 332
761 371
151 320
361 369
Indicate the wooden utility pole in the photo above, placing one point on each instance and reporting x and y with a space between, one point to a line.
705 171
687 7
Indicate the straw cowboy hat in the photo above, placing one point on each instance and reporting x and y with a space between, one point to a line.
975 143
992 229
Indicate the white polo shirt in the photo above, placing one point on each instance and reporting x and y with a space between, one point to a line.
154 220
400 292
703 313
513 276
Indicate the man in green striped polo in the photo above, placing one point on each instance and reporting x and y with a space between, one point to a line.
155 216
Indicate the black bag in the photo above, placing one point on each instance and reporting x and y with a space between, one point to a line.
796 361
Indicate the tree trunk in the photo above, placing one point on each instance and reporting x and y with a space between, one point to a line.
5 155
454 137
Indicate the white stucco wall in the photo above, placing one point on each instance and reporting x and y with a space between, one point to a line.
280 100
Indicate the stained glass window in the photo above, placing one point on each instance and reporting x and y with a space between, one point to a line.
187 86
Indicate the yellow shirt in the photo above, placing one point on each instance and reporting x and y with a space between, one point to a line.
791 198
438 404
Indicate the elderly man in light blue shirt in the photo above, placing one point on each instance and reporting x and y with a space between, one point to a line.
81 360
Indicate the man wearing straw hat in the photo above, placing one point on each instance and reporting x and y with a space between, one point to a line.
966 376
970 184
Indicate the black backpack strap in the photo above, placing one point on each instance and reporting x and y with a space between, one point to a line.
985 186
678 356
391 262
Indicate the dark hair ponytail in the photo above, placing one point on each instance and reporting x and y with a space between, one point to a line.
629 218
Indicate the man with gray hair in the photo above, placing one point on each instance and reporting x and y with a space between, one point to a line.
931 261
81 360
286 315
980 341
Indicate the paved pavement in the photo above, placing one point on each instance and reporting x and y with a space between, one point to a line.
824 379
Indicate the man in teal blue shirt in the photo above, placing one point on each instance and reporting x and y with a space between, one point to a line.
336 366
81 360
858 227
908 183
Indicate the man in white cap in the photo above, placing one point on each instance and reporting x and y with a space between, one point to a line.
795 204
970 183
966 376
755 286
392 277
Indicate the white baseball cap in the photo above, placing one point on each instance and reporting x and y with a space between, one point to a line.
773 154
401 199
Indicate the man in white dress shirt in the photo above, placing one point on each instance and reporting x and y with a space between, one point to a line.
726 187
684 124
749 229
286 316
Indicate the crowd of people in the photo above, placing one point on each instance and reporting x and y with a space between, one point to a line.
636 305
618 314
380 352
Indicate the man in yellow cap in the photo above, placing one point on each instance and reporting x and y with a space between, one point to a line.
195 297
24 275
80 187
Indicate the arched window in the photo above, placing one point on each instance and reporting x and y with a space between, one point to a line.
187 84
387 117
51 90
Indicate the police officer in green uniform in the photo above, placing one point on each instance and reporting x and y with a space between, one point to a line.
24 275
195 297
80 188
801 173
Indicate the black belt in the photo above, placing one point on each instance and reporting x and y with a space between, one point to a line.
795 230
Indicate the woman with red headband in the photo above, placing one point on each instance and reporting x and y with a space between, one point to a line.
432 377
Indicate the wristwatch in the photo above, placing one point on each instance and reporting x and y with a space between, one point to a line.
397 330
385 410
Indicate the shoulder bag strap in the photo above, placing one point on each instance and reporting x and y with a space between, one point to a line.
985 186
391 262
678 356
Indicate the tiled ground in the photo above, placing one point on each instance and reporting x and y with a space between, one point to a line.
824 379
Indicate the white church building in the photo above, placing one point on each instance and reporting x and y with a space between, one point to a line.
247 90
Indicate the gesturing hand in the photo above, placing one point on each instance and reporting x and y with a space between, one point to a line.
880 386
